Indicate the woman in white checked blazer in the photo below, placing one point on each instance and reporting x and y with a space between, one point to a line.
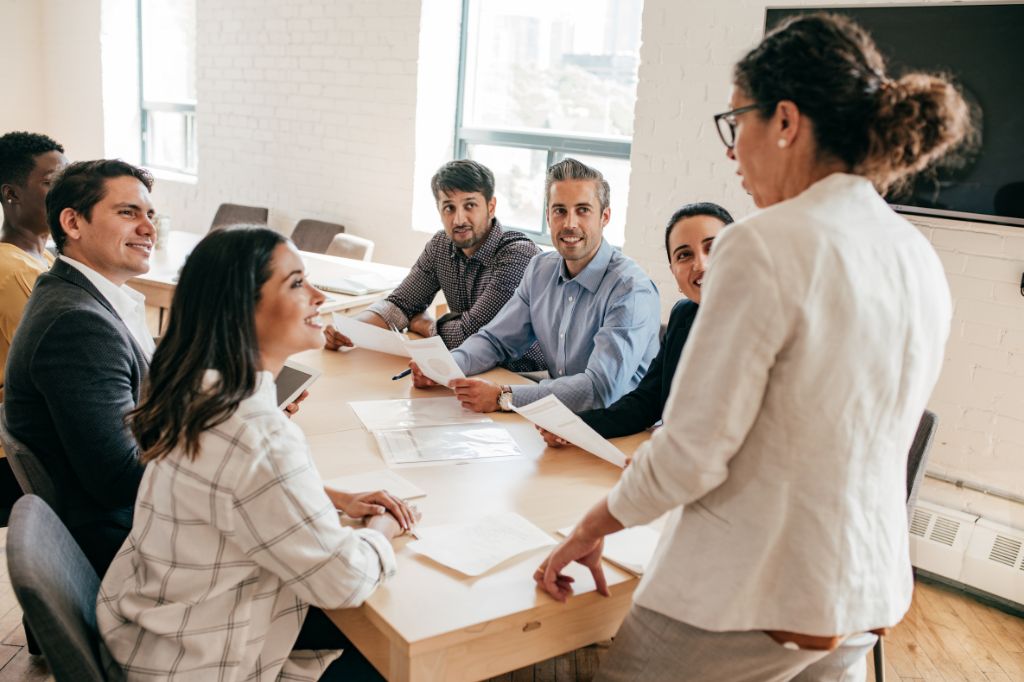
819 339
234 535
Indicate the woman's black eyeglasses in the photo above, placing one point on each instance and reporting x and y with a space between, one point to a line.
726 124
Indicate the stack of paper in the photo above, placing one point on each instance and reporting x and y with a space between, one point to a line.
631 548
378 415
552 415
477 547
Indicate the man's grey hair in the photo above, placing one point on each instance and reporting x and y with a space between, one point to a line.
571 169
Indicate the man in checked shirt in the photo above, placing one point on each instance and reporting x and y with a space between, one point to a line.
475 262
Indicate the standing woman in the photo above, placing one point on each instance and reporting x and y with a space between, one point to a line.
234 535
821 336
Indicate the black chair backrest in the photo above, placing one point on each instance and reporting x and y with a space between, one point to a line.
28 470
56 587
315 235
917 460
237 214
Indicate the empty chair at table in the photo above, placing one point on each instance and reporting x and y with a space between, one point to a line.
237 214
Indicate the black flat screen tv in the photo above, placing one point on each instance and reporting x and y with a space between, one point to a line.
982 47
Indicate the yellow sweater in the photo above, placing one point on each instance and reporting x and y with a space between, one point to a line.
18 273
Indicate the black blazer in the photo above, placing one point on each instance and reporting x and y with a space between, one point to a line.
73 374
641 408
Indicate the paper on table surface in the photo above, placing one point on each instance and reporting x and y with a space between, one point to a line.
434 359
367 336
449 443
381 479
407 413
475 548
552 415
630 548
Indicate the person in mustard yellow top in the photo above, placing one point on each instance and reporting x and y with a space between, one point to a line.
28 164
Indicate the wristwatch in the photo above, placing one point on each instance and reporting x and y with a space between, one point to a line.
505 399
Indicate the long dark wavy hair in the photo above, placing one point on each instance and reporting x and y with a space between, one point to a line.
212 326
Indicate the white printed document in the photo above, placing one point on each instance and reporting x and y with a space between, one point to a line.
552 415
368 336
441 444
378 415
381 479
630 549
477 547
434 359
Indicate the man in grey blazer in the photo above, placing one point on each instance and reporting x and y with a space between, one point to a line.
82 349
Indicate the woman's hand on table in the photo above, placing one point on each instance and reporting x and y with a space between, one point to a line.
576 547
375 503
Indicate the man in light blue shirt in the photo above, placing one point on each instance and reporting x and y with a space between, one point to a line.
594 311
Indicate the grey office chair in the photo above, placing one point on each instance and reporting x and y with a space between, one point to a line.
28 470
56 587
237 214
351 246
916 462
315 235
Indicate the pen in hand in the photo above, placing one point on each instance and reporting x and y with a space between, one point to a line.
402 375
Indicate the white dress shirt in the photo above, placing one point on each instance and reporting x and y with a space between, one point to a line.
226 552
819 339
129 304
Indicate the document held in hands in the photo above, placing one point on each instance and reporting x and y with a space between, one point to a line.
552 415
475 548
370 337
434 359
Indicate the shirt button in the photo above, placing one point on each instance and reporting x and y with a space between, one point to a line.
570 299
561 335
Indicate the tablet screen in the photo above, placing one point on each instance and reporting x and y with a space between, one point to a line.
292 380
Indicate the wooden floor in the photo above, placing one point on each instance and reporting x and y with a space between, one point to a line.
946 637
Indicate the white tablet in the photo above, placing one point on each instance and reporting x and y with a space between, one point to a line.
293 380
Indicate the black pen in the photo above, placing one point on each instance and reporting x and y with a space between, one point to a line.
402 375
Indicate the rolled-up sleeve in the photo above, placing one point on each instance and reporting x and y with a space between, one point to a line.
415 293
718 387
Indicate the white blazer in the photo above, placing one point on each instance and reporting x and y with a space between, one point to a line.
819 339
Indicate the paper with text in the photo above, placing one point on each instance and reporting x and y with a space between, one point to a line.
475 548
452 443
406 413
630 548
552 415
434 359
381 479
367 336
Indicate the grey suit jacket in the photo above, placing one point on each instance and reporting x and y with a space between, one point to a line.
73 374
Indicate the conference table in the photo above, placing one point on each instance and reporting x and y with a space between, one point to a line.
165 263
431 622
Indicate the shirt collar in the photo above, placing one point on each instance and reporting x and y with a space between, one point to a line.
487 248
126 301
591 276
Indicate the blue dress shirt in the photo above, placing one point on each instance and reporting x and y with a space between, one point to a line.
598 331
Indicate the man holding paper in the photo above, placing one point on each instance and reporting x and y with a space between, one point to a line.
593 311
473 260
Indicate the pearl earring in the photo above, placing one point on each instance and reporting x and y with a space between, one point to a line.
782 142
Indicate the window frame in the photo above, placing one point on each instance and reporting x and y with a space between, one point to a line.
148 107
556 145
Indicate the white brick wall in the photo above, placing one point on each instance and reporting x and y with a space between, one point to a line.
307 107
685 76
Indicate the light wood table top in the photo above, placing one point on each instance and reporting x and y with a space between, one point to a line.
165 263
431 622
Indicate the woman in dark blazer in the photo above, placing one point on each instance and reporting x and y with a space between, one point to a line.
688 238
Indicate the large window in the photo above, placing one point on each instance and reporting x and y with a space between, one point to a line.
167 75
542 80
